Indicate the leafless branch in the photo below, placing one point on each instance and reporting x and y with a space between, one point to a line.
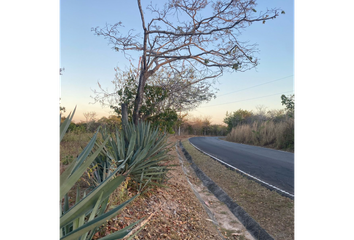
178 36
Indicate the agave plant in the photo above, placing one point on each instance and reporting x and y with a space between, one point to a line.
84 218
144 149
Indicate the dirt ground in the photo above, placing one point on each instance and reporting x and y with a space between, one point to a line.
184 209
175 212
227 224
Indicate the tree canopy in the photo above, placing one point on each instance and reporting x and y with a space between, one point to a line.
192 34
289 103
164 95
236 118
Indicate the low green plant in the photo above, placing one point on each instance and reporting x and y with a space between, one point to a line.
83 219
145 149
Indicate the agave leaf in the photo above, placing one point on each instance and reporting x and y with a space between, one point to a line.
136 153
159 156
81 219
76 221
60 212
131 144
122 147
66 203
101 210
65 125
88 202
147 133
74 235
160 144
75 164
145 166
85 152
93 213
141 156
103 206
141 179
138 136
67 185
64 176
104 171
115 149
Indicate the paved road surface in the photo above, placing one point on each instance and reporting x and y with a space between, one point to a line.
271 166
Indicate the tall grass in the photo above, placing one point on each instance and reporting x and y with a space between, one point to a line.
279 135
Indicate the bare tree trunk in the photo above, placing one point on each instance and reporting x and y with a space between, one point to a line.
124 115
143 77
139 98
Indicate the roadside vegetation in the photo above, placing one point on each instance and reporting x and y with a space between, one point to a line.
96 173
166 209
273 129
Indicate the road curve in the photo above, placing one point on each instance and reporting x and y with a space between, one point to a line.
270 166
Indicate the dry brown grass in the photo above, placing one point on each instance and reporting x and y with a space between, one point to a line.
268 134
173 212
72 145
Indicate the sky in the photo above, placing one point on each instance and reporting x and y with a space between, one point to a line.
88 59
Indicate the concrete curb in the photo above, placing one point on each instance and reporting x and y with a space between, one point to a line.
210 214
250 224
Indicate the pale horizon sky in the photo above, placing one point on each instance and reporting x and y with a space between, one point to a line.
88 59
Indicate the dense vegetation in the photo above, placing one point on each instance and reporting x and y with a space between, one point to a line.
134 154
273 128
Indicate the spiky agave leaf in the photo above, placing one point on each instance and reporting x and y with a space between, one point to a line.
95 222
65 125
147 147
73 221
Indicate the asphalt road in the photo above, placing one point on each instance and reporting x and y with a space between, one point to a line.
271 166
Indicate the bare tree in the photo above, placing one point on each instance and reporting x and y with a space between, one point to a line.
90 116
261 111
178 37
90 119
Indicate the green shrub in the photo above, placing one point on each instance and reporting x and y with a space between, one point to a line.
143 146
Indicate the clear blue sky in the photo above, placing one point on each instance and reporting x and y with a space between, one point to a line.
88 58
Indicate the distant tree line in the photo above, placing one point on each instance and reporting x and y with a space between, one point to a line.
239 117
110 123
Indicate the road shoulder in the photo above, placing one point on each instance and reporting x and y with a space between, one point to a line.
272 211
227 224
